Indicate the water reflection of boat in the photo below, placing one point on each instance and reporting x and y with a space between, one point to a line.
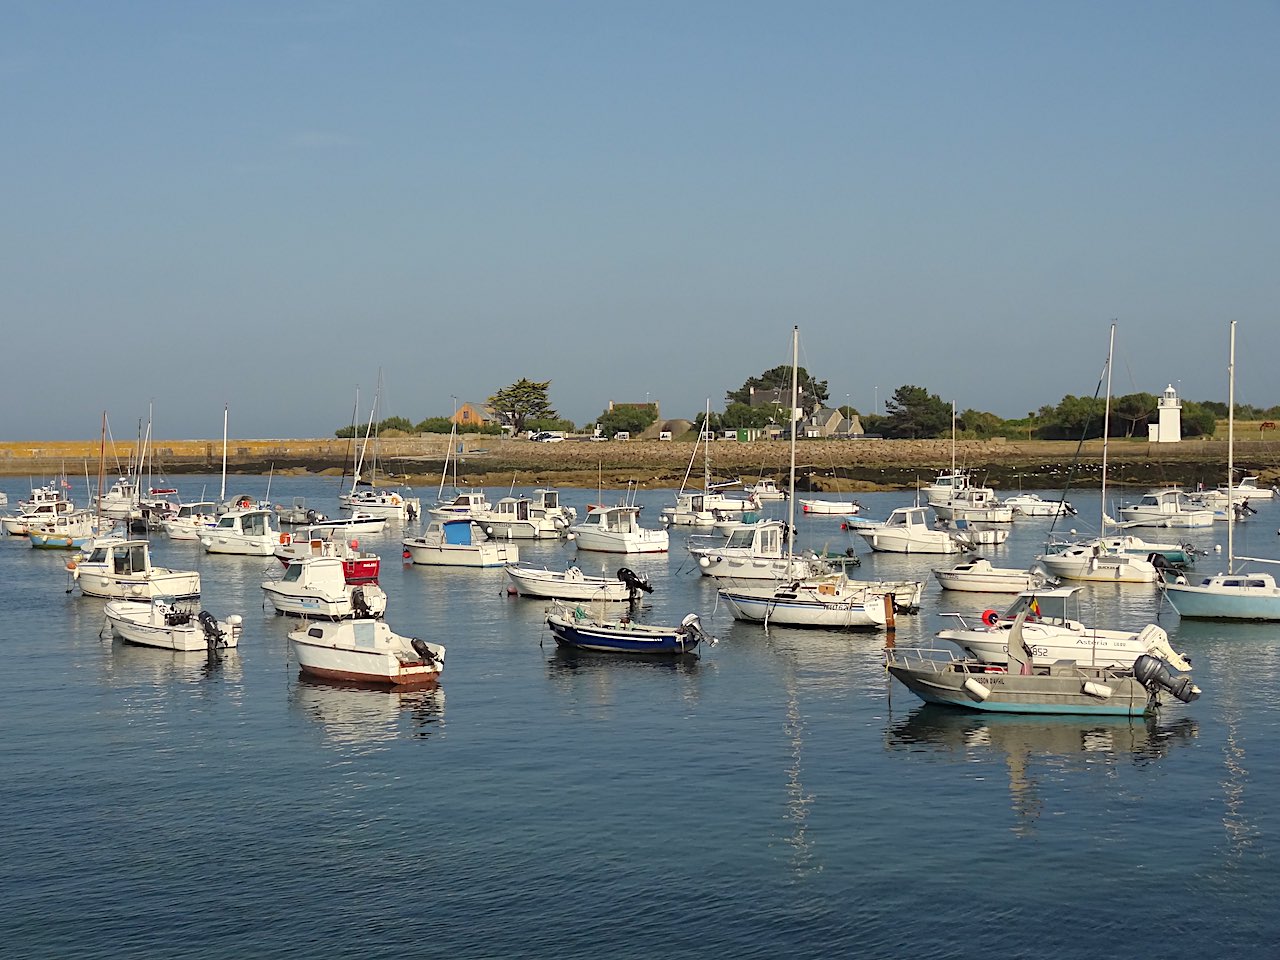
358 714
1068 745
159 668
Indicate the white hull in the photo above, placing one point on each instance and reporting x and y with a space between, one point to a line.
98 582
889 541
641 541
489 554
571 584
363 651
1078 563
244 546
523 529
144 624
803 608
997 580
829 508
186 529
1050 644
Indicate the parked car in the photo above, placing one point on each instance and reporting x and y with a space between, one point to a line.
546 436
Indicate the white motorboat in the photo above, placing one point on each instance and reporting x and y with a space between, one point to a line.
972 535
618 530
546 503
120 569
514 518
365 651
168 626
318 587
754 551
458 543
298 513
247 533
766 488
120 502
1094 560
1033 505
976 504
948 482
192 520
382 502
359 523
977 575
17 525
573 584
1053 632
907 530
467 504
817 506
1167 507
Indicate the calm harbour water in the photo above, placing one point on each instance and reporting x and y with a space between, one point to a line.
776 797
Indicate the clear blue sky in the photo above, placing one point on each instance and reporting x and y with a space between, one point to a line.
269 203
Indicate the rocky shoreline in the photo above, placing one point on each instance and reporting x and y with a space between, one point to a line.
821 464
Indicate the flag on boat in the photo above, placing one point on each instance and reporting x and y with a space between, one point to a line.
1034 608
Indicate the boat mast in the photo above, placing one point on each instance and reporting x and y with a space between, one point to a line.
1231 449
222 493
355 481
102 467
791 416
1106 431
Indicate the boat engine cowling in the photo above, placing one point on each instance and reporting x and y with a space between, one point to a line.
691 626
1156 642
368 600
1154 674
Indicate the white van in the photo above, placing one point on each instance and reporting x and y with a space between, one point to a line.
622 435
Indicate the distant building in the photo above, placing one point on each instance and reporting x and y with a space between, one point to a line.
1169 427
473 415
825 422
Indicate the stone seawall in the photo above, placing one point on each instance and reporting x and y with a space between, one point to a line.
821 464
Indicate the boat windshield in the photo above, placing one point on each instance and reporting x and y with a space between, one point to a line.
740 538
292 573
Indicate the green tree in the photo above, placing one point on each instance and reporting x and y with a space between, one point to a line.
978 424
744 415
523 401
1198 420
813 393
1130 413
915 413
631 417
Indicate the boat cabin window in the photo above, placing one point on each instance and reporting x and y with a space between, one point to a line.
227 522
550 499
138 558
364 634
740 538
99 555
254 524
292 573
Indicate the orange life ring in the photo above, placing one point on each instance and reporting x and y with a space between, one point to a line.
989 617
286 539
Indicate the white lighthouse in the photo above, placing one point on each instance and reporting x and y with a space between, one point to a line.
1169 427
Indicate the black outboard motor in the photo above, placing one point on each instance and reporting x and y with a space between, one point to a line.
423 649
635 583
1154 674
359 605
214 636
